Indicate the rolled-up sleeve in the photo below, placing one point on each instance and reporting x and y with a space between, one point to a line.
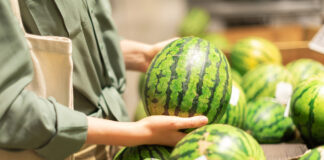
26 120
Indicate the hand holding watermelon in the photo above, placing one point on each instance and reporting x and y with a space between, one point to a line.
164 130
138 56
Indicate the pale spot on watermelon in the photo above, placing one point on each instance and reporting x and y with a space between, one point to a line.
203 144
225 144
203 157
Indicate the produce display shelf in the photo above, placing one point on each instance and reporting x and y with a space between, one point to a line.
229 9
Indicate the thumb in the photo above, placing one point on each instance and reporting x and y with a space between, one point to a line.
159 46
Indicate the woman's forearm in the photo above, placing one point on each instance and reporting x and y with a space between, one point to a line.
102 131
163 130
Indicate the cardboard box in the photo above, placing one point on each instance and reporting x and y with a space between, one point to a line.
284 151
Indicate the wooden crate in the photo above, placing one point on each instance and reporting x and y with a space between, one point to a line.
272 33
298 49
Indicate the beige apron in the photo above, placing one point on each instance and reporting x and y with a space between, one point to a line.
52 58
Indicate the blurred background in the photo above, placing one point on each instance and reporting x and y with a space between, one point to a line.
290 24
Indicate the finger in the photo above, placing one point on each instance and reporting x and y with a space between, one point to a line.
192 122
166 42
159 46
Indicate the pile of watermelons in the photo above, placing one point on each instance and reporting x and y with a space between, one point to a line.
251 99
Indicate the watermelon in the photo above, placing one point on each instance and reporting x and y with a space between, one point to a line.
307 110
144 152
195 22
218 141
235 112
236 76
266 122
304 68
314 154
140 111
268 81
218 40
250 52
188 77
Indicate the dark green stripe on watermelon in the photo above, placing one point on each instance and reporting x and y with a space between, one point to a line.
302 69
248 53
190 77
236 110
173 76
263 81
216 83
206 63
314 154
185 86
225 99
147 77
266 122
311 118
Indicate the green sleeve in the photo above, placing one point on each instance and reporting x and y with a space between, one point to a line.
26 120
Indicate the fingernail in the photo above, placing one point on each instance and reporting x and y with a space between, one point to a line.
202 118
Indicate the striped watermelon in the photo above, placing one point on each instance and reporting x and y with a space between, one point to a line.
307 110
236 76
266 122
314 154
195 22
188 77
267 81
144 152
218 141
251 52
235 112
304 68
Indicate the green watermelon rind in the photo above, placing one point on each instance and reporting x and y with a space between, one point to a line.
302 69
218 141
266 122
235 113
306 110
314 154
189 77
248 53
262 81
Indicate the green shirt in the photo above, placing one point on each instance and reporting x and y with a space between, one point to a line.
30 122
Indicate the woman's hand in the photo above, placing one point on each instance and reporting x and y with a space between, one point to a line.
138 56
163 130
